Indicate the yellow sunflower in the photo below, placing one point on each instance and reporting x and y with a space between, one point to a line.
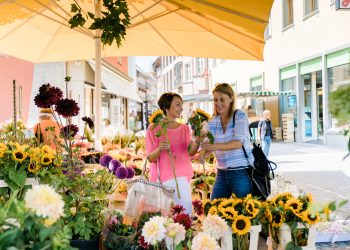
326 212
46 159
309 197
226 203
217 201
241 225
238 205
229 213
156 116
277 219
3 149
293 204
203 114
251 210
47 150
33 167
267 215
311 218
282 198
213 210
19 154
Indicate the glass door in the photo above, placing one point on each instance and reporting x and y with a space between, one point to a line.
313 106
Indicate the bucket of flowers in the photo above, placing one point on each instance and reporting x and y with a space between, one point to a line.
292 219
243 217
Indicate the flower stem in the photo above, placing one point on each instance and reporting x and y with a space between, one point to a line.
173 168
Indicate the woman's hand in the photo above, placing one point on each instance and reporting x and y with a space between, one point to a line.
207 146
164 146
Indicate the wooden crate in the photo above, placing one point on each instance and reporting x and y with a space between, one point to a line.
288 127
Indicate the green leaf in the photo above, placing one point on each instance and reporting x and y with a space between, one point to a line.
292 246
342 203
91 15
210 137
18 177
74 8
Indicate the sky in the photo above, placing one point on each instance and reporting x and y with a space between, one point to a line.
145 62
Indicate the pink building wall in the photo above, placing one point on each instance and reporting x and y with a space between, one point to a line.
12 68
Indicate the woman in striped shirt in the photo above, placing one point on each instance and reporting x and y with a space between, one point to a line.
230 136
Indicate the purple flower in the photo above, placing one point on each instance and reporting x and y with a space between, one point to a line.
88 121
114 165
104 160
121 172
67 108
131 172
69 130
47 96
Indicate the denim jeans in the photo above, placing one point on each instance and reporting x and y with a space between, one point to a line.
230 182
265 145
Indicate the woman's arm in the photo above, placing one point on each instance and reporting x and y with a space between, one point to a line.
226 146
153 156
194 146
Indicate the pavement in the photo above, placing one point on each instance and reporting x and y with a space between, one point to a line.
316 169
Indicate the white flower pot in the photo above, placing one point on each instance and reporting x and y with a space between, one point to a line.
285 236
226 241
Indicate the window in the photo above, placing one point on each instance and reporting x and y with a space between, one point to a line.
200 65
310 6
267 32
188 72
287 13
177 74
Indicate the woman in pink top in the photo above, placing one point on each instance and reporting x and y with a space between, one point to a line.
179 136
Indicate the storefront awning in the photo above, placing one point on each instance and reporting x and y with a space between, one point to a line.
116 85
264 93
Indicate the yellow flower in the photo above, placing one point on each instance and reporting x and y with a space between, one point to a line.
293 204
203 114
251 210
46 159
156 116
309 198
213 210
33 167
241 225
19 155
226 203
229 213
238 205
310 218
277 219
267 215
3 149
48 150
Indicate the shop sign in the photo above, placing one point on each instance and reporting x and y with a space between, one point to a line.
342 4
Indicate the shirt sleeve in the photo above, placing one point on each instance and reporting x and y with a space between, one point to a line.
240 130
188 133
151 143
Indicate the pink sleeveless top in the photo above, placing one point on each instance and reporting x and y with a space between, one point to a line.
179 138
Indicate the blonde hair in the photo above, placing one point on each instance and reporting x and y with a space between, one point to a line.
226 89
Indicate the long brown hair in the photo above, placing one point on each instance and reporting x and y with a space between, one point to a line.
225 88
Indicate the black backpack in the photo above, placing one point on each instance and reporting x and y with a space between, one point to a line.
261 173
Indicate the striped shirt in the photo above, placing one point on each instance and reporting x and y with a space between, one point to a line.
235 130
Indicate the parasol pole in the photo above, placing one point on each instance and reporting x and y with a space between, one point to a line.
98 145
14 109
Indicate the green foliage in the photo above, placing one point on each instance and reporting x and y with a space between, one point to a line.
23 229
85 196
113 23
339 104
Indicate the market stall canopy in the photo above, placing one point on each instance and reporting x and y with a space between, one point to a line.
38 31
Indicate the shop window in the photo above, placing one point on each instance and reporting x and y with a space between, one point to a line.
310 6
188 72
287 13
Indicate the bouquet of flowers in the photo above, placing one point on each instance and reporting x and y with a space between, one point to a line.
198 121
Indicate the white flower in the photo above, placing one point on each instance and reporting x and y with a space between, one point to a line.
10 222
44 201
215 226
154 230
203 241
175 233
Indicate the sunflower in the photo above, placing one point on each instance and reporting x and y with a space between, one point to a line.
309 198
293 204
310 218
33 167
226 203
277 219
3 149
241 225
204 115
238 205
229 213
156 116
267 215
213 210
283 197
46 159
47 150
217 201
250 208
19 155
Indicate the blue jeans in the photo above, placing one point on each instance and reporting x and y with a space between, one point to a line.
265 145
230 182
